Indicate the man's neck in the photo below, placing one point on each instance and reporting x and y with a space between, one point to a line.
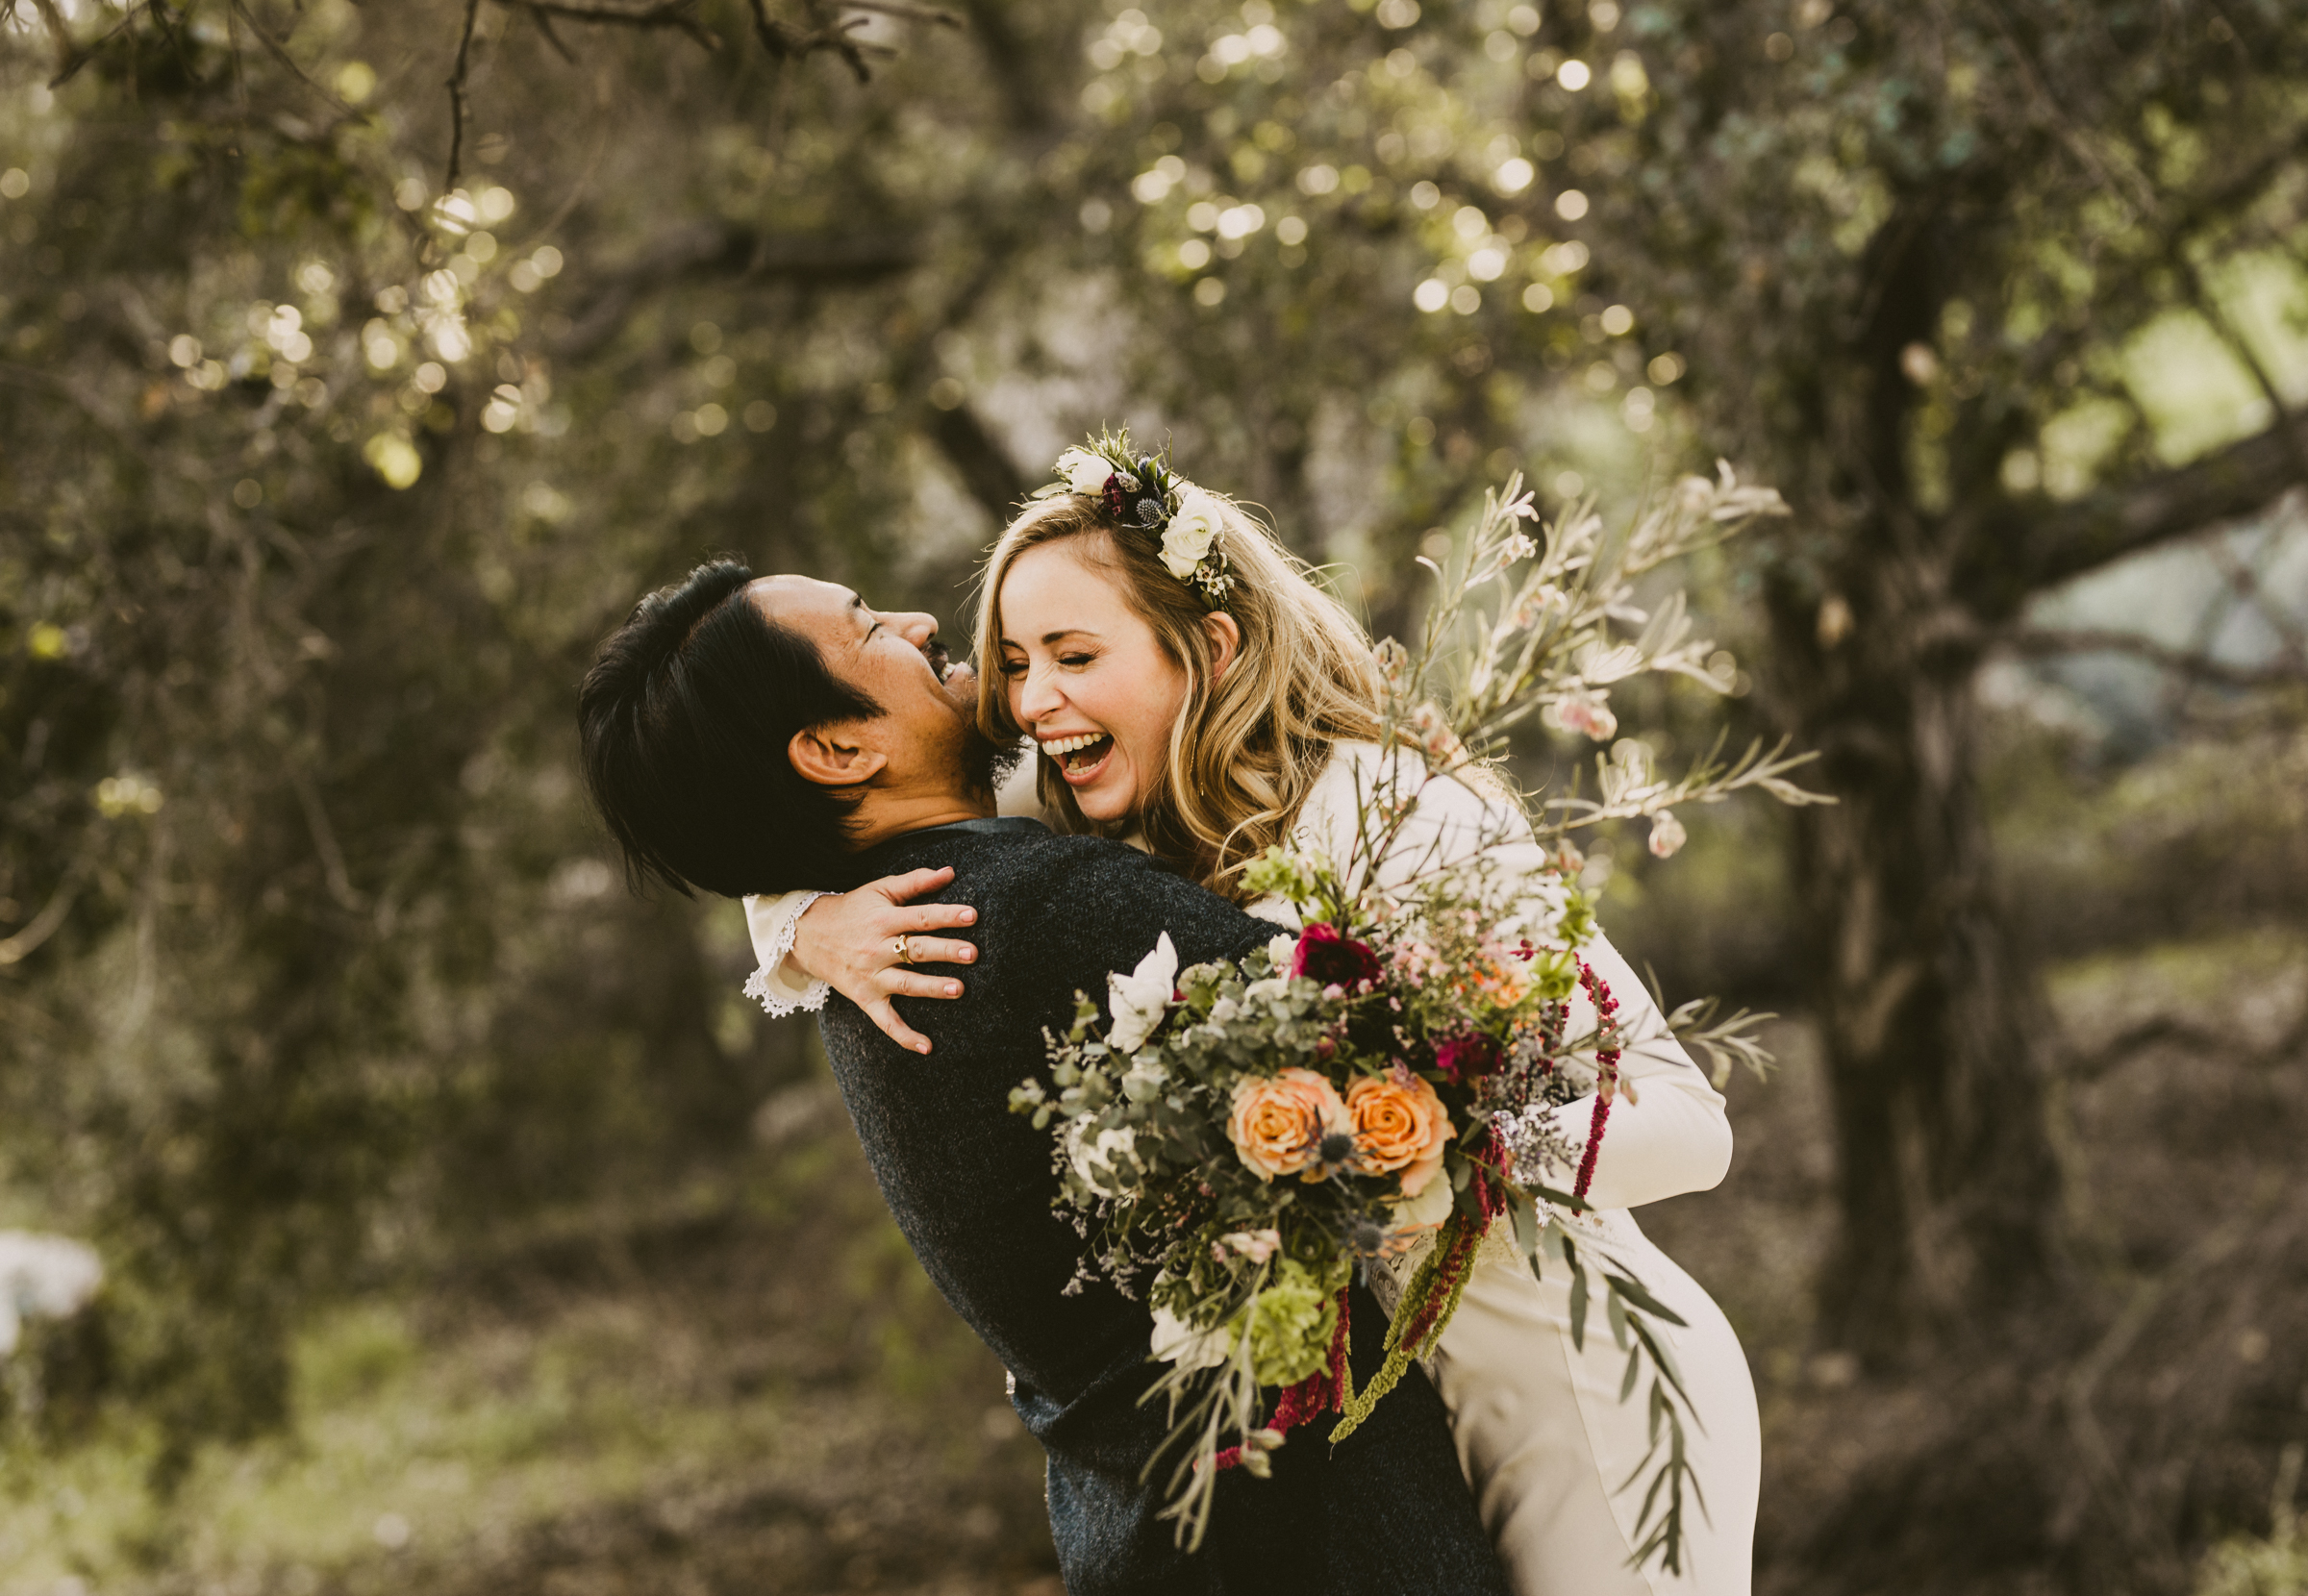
888 814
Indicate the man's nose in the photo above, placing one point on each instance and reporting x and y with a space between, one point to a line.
912 625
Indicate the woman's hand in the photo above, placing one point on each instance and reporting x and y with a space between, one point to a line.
849 941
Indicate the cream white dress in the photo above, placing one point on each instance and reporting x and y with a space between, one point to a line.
1550 1451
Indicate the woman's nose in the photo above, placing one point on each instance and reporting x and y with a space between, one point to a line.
1038 696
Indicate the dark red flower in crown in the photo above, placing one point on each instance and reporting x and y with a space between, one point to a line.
1117 502
1467 1058
1326 956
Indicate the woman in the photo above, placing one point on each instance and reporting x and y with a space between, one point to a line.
1203 697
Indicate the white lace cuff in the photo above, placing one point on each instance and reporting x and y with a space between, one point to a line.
776 989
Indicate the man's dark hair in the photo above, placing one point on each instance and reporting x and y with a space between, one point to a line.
685 718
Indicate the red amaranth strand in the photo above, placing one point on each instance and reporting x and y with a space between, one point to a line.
1606 1061
1318 1393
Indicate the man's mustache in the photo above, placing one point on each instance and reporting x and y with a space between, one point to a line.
940 662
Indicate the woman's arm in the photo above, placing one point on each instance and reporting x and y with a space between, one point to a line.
1671 1135
1668 1136
809 942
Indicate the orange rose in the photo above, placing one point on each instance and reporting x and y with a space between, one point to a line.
1278 1124
1399 1123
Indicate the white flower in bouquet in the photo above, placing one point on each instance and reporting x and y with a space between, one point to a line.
1175 1341
1282 950
1194 527
1094 1160
1138 1000
1084 472
1424 1211
45 1275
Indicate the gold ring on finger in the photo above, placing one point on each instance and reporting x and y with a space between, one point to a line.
903 949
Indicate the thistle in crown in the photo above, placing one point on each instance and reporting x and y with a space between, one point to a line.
1145 495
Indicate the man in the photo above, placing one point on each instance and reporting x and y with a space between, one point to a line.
760 737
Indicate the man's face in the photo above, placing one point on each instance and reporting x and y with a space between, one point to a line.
927 724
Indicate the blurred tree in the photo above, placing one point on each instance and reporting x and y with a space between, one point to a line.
1999 293
306 957
321 481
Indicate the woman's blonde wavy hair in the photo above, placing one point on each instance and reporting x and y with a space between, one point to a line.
1247 749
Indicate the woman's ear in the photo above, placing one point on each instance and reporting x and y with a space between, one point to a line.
832 756
1225 643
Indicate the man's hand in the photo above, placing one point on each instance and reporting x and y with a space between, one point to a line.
849 941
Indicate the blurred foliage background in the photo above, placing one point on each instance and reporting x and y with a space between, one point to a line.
360 363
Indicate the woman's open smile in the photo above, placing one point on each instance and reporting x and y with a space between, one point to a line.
1080 759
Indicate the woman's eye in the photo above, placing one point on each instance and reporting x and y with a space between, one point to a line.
1074 660
1014 667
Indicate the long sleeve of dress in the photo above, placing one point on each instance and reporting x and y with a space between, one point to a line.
770 923
1668 1136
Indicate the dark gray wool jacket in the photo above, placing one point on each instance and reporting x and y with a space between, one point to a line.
1388 1512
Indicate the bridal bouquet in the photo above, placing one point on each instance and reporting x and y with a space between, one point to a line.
1235 1138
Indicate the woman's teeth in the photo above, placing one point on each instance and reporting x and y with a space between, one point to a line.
1063 749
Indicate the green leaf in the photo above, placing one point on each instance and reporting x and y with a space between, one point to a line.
1579 1298
1638 1294
1526 1228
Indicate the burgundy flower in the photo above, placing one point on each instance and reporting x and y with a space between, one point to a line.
1467 1058
1116 500
1333 960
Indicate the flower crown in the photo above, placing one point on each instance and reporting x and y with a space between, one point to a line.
1142 491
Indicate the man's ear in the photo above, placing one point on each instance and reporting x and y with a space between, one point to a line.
1225 643
833 756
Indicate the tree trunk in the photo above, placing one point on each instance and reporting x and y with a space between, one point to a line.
1934 1025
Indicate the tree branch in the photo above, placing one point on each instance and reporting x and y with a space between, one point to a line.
1013 64
985 467
740 254
465 49
280 52
666 13
49 920
2051 544
2044 643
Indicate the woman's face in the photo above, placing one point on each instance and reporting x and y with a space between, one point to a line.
1086 678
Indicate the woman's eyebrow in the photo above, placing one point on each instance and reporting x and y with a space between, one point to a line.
1049 637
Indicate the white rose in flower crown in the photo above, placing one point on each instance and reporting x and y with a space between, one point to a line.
1138 1000
1083 471
1192 529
